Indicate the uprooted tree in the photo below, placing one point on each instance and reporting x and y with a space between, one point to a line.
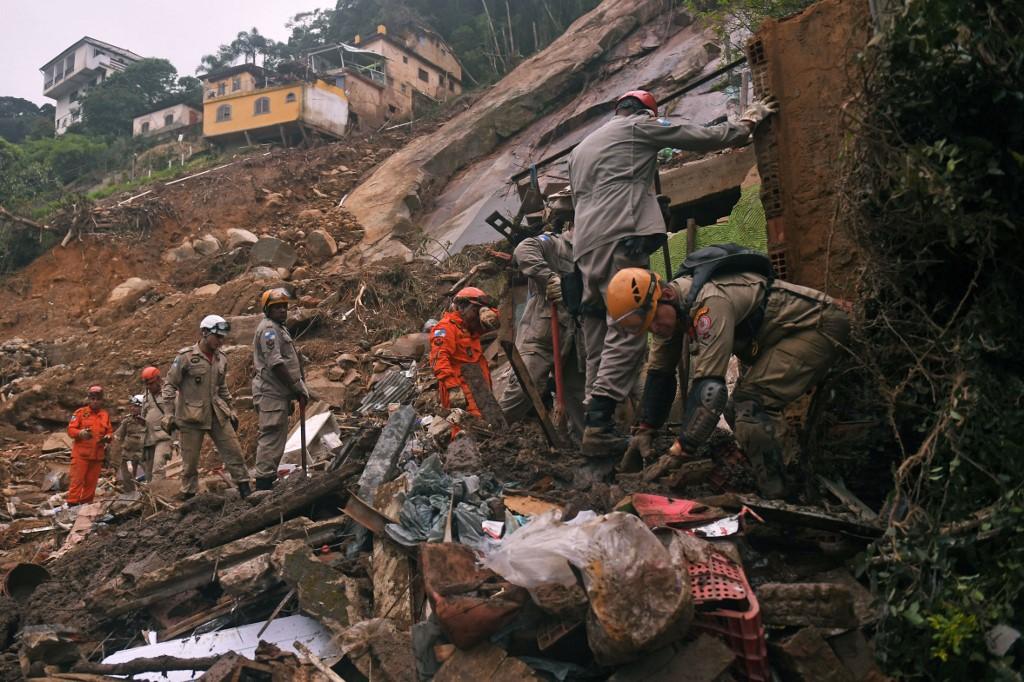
933 190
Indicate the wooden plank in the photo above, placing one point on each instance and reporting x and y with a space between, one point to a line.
489 408
519 367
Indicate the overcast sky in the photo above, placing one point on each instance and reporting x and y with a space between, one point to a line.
33 32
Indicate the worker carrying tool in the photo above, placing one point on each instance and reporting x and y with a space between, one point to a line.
90 432
277 381
787 335
156 447
197 388
543 260
619 224
455 341
130 437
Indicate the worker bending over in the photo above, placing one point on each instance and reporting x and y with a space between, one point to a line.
455 341
787 335
197 387
90 432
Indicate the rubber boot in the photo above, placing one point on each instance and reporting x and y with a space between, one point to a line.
244 490
600 438
265 483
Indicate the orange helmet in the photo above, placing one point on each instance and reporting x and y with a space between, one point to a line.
645 98
632 299
274 297
473 295
149 374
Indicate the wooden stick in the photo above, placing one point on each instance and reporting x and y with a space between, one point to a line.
317 663
145 665
24 221
519 367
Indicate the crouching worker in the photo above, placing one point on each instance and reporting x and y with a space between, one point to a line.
90 430
788 336
131 437
455 341
197 388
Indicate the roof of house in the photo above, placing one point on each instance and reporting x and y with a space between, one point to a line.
229 71
127 54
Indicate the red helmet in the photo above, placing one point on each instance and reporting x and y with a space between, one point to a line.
644 97
150 373
96 390
473 295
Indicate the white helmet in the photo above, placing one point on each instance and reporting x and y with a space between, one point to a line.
214 324
137 400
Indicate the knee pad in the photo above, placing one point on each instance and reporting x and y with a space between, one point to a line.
704 406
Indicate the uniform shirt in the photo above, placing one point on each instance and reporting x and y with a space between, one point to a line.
131 434
197 387
451 346
98 423
538 258
272 345
612 171
153 412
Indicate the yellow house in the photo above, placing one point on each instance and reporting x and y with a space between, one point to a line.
241 105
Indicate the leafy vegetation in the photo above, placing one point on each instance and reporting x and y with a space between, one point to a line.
21 119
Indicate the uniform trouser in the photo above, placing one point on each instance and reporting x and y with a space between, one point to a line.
273 416
154 459
83 475
126 473
226 442
540 363
779 375
614 357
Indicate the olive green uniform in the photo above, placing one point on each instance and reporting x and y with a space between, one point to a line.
539 258
789 352
130 435
273 346
198 390
156 450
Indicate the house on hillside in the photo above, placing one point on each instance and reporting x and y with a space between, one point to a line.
384 76
83 65
165 120
247 104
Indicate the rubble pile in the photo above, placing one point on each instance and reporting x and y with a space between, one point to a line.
20 359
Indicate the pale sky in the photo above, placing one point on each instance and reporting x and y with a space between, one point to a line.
33 32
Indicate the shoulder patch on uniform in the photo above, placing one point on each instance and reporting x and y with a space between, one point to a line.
663 122
440 331
544 238
438 342
194 360
702 324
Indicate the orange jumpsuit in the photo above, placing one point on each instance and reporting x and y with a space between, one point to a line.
87 455
451 346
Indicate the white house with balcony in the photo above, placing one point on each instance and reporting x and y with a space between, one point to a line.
85 64
166 120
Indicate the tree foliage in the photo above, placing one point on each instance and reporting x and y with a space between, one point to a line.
144 86
20 118
247 45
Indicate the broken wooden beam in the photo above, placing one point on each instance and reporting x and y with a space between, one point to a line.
778 512
523 375
145 665
482 395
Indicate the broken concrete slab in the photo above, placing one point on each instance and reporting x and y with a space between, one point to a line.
696 180
807 657
484 662
392 566
379 649
247 577
857 654
273 253
704 659
826 605
322 591
381 463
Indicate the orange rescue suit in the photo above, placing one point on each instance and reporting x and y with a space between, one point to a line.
451 346
87 455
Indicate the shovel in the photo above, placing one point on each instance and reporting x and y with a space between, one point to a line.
302 434
556 342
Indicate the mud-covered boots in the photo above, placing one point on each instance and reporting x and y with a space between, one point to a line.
600 437
244 490
264 484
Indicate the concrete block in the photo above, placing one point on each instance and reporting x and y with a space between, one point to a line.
807 657
825 605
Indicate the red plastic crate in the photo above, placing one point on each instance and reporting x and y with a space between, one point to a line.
723 582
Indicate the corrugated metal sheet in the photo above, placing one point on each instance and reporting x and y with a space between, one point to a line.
397 386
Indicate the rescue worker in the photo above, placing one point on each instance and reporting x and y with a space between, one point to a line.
787 334
156 448
130 437
619 223
197 388
544 259
90 430
455 341
276 382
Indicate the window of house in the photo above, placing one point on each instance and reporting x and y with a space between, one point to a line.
423 75
168 119
224 112
290 97
405 60
262 106
69 63
97 52
222 87
236 84
210 94
145 127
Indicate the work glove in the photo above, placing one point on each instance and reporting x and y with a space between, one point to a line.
553 291
489 319
234 421
167 423
638 451
84 434
456 398
759 111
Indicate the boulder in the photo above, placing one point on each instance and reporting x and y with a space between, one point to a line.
238 237
264 273
207 245
131 288
283 273
321 245
300 273
206 290
179 254
273 253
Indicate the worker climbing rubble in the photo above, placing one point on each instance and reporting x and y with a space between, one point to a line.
197 388
130 438
619 223
543 260
455 341
90 431
788 336
277 381
156 450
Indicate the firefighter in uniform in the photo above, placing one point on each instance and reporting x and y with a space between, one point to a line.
156 448
90 430
455 341
276 382
618 224
130 437
544 259
197 388
788 336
